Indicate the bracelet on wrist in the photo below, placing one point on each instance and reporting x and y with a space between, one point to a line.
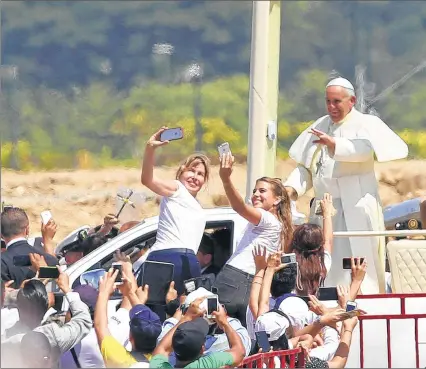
347 330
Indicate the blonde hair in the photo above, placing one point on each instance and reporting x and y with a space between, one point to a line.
192 161
283 210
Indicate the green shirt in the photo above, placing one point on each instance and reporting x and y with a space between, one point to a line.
210 361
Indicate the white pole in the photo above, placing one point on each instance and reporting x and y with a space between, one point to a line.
264 76
402 233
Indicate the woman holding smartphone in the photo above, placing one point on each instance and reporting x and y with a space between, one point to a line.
270 226
181 220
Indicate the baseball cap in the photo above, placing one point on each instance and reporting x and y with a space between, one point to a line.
189 338
199 292
274 324
296 309
145 327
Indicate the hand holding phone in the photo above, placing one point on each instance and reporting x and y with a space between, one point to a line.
48 272
119 267
350 306
22 260
212 306
347 262
171 134
328 294
224 149
288 258
45 216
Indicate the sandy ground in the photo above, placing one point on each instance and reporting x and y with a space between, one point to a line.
83 197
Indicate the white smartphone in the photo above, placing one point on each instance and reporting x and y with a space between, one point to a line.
288 258
224 149
45 216
212 305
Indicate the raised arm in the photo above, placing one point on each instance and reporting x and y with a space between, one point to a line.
237 203
259 256
159 186
298 182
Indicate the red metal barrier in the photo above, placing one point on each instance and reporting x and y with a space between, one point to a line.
287 359
388 318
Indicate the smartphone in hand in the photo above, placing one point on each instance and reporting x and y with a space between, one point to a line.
46 216
224 149
172 134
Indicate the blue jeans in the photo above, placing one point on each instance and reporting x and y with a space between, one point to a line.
185 262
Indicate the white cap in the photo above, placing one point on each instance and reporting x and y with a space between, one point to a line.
342 82
296 309
199 292
273 324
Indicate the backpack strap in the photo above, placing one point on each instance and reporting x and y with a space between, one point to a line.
74 356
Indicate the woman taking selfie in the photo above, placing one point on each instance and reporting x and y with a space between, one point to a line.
270 226
181 220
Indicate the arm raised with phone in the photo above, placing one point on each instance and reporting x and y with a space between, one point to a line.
237 203
159 186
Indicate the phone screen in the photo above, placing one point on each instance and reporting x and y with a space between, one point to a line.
59 299
48 272
172 134
21 260
158 277
211 305
224 149
347 263
119 278
263 341
350 306
189 286
327 293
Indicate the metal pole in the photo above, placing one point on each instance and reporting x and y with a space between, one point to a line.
402 233
264 80
197 113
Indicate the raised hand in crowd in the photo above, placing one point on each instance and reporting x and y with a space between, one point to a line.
274 262
110 220
343 294
48 232
317 306
226 165
63 281
171 293
37 261
358 271
260 258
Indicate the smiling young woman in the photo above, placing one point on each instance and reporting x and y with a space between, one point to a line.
270 226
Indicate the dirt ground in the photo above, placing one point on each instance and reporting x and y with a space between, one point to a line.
83 197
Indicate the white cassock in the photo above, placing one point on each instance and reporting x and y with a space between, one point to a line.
349 177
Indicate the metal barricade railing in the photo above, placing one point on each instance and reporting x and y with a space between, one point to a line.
294 358
388 318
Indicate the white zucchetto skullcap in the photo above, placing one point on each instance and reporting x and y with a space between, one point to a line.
342 82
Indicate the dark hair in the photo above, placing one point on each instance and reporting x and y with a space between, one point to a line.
308 245
36 350
87 245
32 302
143 343
13 222
206 245
283 209
284 281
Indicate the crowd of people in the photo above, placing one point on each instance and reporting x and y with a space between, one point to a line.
270 285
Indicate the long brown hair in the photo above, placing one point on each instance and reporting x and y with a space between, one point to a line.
308 245
283 210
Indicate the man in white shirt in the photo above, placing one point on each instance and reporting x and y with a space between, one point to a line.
335 155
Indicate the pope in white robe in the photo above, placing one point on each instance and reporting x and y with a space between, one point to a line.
336 155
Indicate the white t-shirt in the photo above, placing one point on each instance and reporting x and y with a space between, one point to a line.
88 354
250 322
266 234
181 222
327 261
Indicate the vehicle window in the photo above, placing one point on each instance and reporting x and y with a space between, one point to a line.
222 234
133 249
